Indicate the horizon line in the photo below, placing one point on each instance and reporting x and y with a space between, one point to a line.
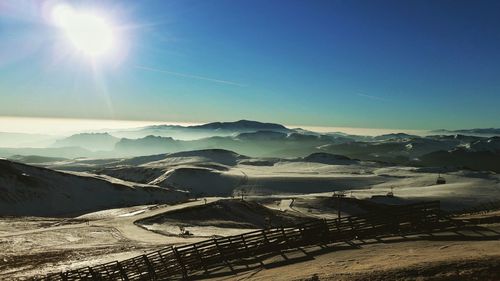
33 124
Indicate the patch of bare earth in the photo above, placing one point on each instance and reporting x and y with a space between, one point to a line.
467 270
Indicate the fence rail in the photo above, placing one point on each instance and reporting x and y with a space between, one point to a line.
182 261
481 208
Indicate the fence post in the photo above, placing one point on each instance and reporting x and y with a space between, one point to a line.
151 270
95 276
224 259
163 261
245 243
285 237
179 260
63 276
265 236
200 258
302 238
354 233
326 231
122 271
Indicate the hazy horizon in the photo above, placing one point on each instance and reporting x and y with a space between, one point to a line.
65 126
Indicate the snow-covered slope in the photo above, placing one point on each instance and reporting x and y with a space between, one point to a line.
201 181
218 156
33 191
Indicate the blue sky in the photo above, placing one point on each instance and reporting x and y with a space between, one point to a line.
371 64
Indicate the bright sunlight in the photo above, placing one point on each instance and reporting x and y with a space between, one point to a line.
88 32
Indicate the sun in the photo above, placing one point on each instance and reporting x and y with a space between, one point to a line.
89 33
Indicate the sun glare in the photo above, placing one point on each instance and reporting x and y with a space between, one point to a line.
88 32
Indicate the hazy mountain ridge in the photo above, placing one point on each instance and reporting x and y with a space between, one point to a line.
35 159
394 136
64 152
257 139
90 141
147 145
201 131
475 131
14 140
242 125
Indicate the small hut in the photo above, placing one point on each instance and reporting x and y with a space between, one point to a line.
440 180
390 193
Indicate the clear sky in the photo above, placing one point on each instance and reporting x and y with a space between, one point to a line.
372 64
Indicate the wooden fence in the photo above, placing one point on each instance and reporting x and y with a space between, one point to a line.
481 208
181 262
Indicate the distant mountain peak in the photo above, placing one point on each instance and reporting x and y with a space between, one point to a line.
90 141
395 136
241 125
96 135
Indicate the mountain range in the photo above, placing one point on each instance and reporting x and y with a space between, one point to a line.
258 139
